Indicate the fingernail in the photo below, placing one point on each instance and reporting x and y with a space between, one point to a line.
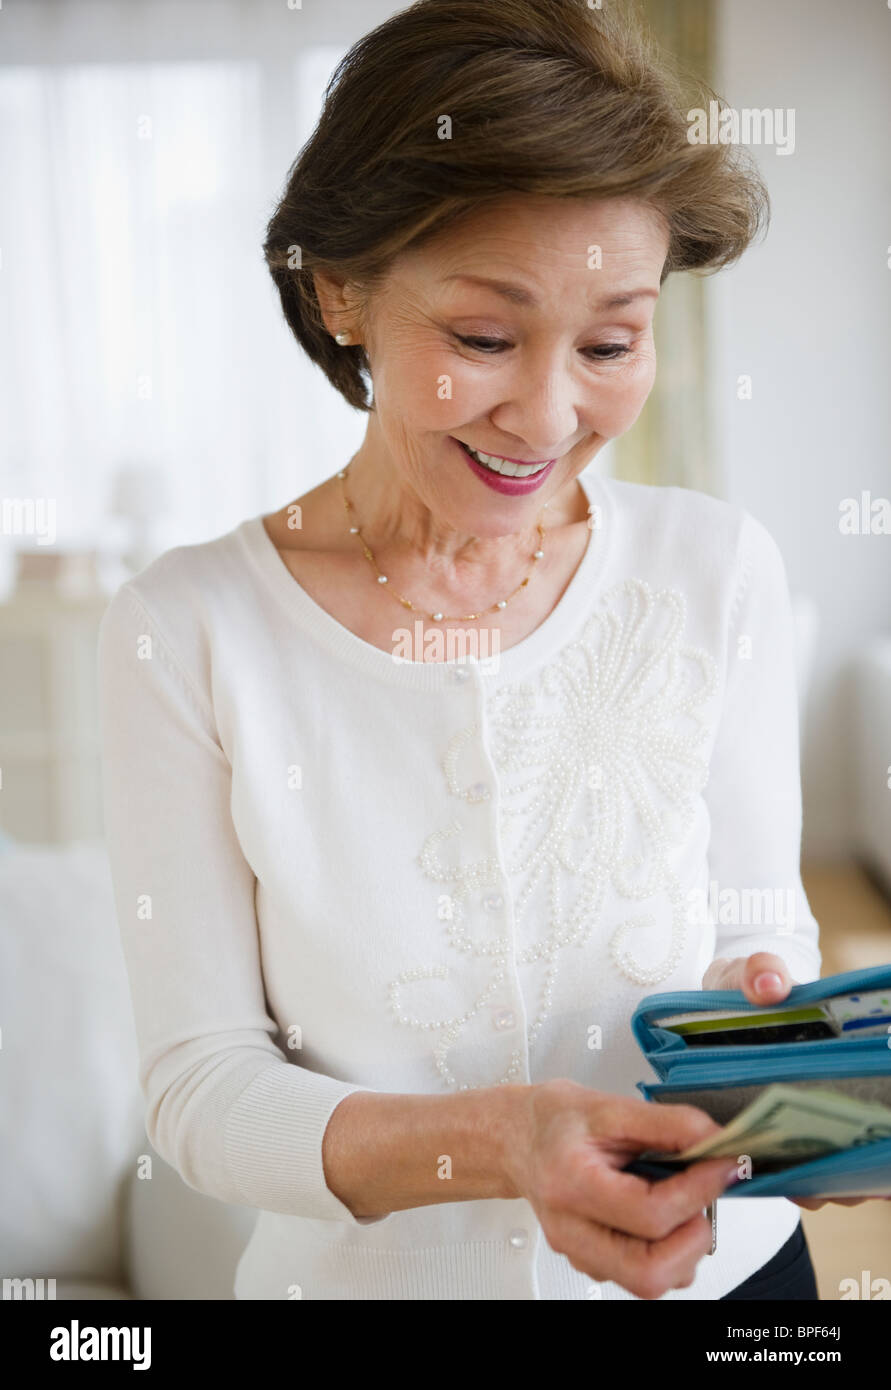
768 982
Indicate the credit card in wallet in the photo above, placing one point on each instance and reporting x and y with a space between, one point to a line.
763 1033
724 1027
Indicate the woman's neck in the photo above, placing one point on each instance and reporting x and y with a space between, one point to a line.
402 528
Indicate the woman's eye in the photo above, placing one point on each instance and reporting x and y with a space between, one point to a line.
484 344
609 351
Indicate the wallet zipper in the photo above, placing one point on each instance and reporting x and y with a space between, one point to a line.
850 1051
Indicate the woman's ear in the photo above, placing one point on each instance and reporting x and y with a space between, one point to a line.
337 306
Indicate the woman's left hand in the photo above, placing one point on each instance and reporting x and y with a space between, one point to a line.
765 979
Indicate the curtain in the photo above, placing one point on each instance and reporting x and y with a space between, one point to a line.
139 325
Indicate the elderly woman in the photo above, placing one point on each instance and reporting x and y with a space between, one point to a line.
410 785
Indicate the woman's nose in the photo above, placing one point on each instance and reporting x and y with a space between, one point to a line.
541 412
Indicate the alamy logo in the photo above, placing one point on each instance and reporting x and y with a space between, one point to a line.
28 1289
724 125
747 907
867 1287
76 1343
455 645
29 516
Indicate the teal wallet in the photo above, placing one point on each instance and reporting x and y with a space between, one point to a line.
723 1079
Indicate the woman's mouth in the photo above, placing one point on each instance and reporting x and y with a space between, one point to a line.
506 475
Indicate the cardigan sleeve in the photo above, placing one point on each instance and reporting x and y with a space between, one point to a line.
236 1117
753 791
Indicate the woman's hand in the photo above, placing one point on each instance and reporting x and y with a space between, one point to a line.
646 1236
765 979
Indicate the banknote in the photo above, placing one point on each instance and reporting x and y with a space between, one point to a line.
786 1123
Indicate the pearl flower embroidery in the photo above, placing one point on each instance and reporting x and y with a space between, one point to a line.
598 775
589 752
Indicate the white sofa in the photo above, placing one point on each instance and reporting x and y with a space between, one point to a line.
73 1206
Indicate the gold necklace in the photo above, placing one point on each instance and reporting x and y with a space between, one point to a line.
406 602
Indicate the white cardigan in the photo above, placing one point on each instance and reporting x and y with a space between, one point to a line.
335 871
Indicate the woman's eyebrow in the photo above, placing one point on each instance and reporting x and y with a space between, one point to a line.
618 301
517 295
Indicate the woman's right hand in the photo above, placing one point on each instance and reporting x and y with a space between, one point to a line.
646 1236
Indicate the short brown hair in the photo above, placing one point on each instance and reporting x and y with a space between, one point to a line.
545 97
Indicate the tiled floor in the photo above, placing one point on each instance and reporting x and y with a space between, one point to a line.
855 931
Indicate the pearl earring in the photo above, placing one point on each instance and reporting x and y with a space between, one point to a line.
342 338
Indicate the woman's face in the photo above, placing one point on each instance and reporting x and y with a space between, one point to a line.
512 337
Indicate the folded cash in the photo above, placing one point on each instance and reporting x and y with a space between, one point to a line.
785 1123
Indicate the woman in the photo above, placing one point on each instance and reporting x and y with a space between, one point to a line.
388 903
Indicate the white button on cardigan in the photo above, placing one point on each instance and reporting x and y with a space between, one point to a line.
335 871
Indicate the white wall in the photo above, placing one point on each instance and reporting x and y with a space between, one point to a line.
807 314
82 31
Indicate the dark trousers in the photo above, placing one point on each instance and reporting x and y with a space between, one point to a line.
789 1275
